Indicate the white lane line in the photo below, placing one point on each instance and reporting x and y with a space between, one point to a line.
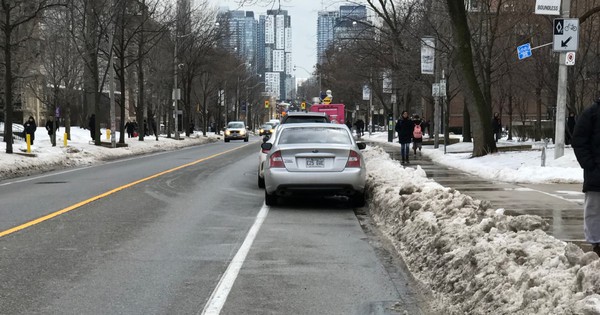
219 295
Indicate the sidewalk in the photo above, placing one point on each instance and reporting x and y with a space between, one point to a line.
561 205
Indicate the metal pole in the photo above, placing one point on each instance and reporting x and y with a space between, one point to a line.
111 69
561 94
175 90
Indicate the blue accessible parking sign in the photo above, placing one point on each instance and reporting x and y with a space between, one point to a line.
524 51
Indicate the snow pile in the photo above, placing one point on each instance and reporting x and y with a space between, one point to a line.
80 152
476 259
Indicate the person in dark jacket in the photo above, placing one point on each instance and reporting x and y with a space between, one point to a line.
404 128
30 127
497 126
92 126
586 144
570 128
130 126
360 127
51 126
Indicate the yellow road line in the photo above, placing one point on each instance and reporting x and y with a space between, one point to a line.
108 193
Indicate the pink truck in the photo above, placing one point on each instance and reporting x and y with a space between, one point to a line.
335 112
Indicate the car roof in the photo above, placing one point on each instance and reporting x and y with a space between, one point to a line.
313 125
298 117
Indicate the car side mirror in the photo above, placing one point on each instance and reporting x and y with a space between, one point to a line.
266 138
361 145
266 146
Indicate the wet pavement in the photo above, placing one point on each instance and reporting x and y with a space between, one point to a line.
560 204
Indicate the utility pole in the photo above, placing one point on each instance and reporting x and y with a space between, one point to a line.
561 93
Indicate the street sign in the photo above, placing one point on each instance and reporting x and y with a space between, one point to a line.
566 35
303 105
547 7
524 51
266 104
570 58
435 90
442 88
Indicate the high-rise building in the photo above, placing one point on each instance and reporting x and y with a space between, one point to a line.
275 53
325 23
242 28
345 24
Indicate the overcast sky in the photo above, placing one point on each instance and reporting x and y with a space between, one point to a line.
304 25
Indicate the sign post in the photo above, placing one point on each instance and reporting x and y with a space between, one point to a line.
565 39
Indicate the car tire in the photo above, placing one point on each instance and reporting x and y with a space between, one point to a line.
261 182
270 200
226 140
358 200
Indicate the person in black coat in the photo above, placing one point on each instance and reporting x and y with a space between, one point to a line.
497 126
30 127
130 127
92 126
404 128
586 144
570 128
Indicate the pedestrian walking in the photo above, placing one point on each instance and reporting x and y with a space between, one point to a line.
92 126
404 128
497 126
570 128
360 127
30 127
130 127
417 134
349 124
586 144
51 126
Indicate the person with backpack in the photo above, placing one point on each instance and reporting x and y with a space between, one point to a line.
417 134
404 128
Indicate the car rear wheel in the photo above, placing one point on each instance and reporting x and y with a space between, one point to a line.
261 182
358 200
270 200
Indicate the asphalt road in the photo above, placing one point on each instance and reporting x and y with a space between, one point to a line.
161 234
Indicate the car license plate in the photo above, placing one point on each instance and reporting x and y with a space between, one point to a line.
315 162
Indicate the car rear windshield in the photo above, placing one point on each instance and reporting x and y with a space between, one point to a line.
314 135
267 127
235 125
305 119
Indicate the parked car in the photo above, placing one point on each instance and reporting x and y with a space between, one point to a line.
266 130
316 159
236 130
292 117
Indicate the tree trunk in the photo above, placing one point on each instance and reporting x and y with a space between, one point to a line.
538 103
140 110
8 81
483 137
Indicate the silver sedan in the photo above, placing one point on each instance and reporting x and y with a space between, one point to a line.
316 159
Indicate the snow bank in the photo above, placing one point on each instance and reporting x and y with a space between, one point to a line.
80 152
476 259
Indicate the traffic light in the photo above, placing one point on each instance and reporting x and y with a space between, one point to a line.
266 104
303 105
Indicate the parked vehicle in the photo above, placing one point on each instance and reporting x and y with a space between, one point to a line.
336 112
236 130
316 159
292 117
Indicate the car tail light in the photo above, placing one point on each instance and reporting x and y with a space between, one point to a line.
353 159
276 160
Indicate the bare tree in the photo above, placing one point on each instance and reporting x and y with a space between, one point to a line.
18 21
